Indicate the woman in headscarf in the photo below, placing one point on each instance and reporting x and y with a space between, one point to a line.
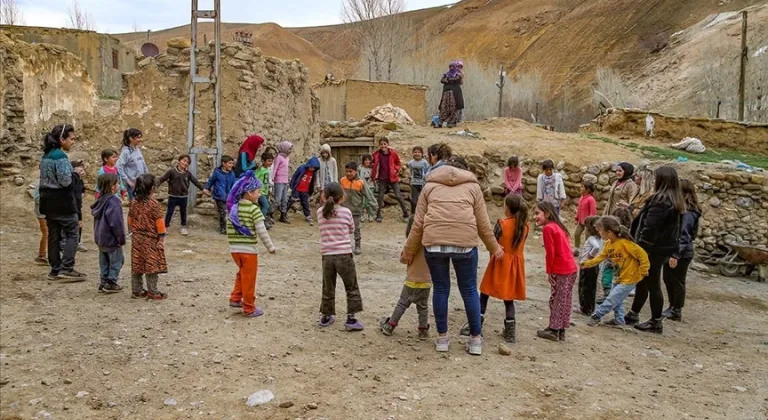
623 191
246 156
452 101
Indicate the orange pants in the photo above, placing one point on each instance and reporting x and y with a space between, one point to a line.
43 250
245 281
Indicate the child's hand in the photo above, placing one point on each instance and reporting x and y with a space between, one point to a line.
273 251
206 192
405 258
80 225
499 252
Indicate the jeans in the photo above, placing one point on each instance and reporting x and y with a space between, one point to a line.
304 198
674 279
264 205
650 285
62 242
415 193
465 266
221 206
110 264
281 197
384 188
173 202
615 302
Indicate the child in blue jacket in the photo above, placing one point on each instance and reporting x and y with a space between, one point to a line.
219 184
303 185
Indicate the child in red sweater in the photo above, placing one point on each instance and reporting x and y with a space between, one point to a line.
561 270
587 207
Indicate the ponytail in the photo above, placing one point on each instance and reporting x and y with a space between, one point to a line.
517 208
612 224
334 194
53 139
130 134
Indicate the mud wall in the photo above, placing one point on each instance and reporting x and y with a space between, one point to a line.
332 97
353 99
751 137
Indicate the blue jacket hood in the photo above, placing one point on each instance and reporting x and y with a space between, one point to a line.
313 162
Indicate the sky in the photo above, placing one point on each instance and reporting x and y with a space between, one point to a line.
117 16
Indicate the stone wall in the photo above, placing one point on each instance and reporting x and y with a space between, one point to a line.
750 137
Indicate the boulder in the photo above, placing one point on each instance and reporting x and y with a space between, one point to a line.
179 42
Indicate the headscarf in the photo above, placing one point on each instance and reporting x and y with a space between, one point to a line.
628 171
247 182
250 146
325 148
284 147
453 70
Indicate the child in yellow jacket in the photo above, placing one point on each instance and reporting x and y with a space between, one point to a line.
631 263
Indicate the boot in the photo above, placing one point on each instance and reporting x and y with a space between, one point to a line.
561 335
358 249
675 315
284 218
549 334
465 329
631 318
509 330
652 325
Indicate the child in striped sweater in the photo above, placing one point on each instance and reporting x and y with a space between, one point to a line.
336 224
245 222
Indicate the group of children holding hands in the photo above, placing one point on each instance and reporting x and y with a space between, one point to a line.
246 215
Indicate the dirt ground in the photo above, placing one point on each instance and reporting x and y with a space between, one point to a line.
67 351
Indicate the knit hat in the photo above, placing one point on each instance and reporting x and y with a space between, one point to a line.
284 147
247 182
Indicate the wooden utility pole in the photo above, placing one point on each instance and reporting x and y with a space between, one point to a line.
744 58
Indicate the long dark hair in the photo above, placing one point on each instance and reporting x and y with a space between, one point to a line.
333 194
145 184
549 211
589 225
440 150
513 162
53 139
668 188
105 182
129 134
612 224
689 195
519 210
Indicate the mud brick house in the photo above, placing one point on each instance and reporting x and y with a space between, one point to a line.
352 99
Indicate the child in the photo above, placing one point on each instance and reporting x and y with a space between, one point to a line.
513 177
632 265
263 175
588 276
607 269
219 185
505 277
303 185
561 269
356 192
550 187
245 222
179 179
415 291
280 176
336 224
131 162
587 207
385 171
108 232
369 208
78 188
329 169
42 250
418 167
108 166
145 222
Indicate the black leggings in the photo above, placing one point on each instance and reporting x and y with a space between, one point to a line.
674 279
650 285
509 305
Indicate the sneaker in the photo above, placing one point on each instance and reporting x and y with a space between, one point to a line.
615 323
284 219
53 276
548 334
442 344
465 329
371 218
139 295
326 321
353 325
593 321
424 333
156 295
41 260
358 250
257 312
379 219
111 287
386 327
652 325
82 248
309 220
184 231
475 346
235 304
632 293
631 318
72 276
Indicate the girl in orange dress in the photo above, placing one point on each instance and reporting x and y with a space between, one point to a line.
505 277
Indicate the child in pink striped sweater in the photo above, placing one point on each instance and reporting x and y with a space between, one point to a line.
336 225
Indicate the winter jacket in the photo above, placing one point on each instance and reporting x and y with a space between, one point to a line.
131 164
220 183
657 228
178 182
280 169
451 212
329 166
57 185
557 250
108 228
355 191
688 232
314 163
630 260
394 165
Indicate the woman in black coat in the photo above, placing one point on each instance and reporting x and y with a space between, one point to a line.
657 230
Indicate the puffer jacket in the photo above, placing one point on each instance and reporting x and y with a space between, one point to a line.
355 192
657 228
688 233
220 184
452 212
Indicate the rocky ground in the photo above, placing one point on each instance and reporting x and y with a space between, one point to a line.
68 352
